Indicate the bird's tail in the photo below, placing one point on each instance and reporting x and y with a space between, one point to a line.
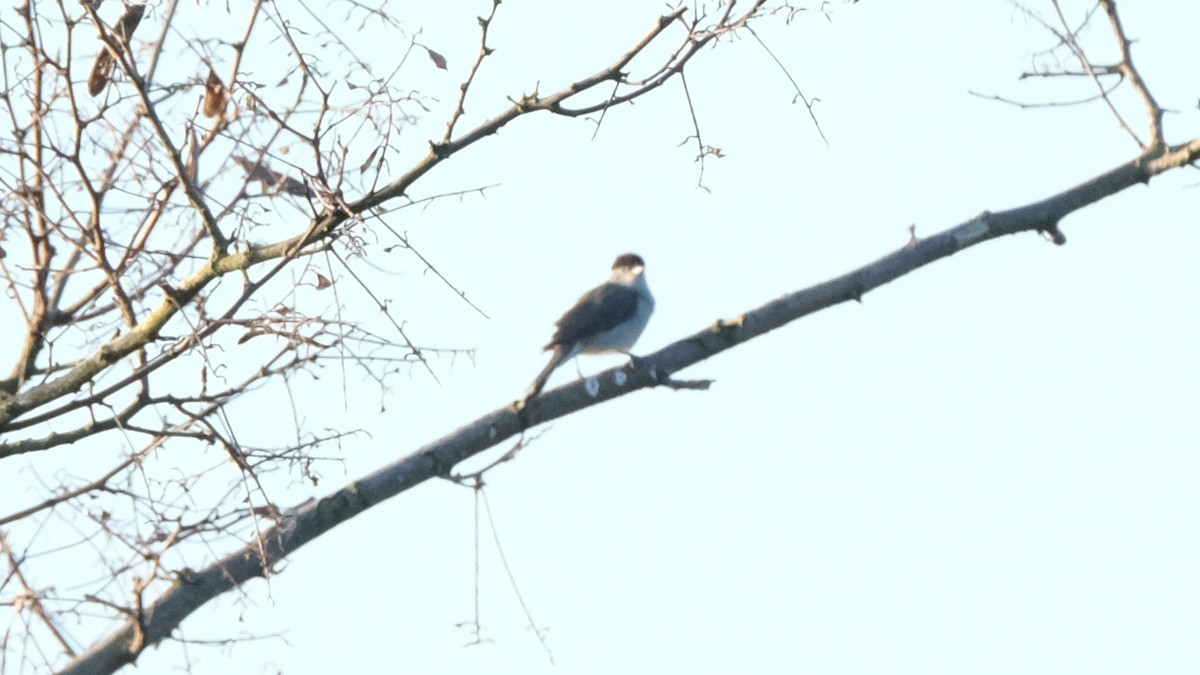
555 361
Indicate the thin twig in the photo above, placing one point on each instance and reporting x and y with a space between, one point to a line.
1153 111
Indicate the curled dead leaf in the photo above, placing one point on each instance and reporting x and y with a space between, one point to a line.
438 59
193 159
367 163
102 69
216 96
101 72
271 180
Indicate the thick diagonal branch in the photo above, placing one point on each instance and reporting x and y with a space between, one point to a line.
304 523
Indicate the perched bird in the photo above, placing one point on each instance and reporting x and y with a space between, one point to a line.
608 318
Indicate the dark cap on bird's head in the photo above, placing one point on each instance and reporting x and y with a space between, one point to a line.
629 260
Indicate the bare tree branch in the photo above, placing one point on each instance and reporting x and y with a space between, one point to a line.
172 246
305 523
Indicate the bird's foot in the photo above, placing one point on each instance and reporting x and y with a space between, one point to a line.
639 363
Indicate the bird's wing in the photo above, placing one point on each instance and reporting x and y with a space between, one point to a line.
598 310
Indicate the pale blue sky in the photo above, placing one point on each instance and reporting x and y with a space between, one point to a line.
989 466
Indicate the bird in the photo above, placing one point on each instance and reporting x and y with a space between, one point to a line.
607 319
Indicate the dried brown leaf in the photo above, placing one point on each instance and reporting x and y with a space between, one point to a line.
101 72
216 96
367 163
438 59
271 180
193 155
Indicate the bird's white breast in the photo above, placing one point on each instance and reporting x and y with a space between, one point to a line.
622 337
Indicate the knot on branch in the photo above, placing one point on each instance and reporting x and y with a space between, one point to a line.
1055 234
728 330
529 102
1150 156
666 19
108 354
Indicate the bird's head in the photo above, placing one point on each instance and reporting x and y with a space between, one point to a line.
627 268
